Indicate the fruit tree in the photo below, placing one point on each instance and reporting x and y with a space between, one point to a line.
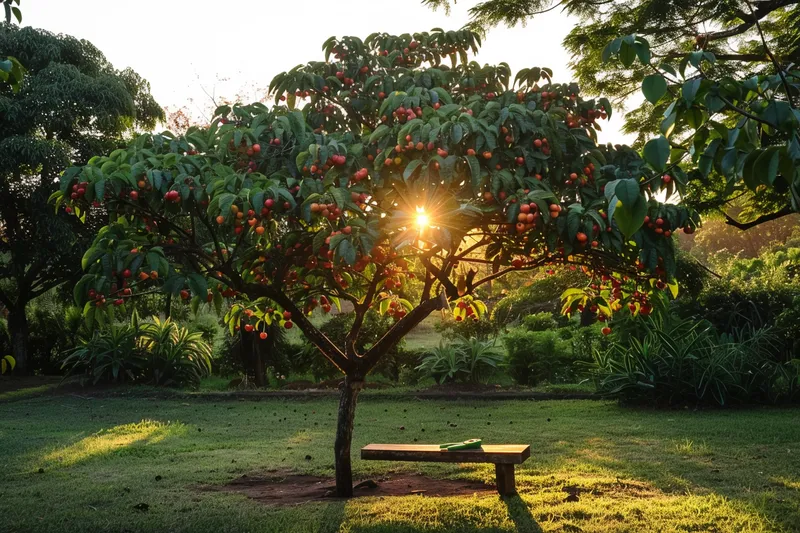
394 158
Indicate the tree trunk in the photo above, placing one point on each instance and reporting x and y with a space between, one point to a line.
18 331
258 362
344 435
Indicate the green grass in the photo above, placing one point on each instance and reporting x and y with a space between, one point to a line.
634 470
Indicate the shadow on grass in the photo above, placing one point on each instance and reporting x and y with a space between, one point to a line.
520 514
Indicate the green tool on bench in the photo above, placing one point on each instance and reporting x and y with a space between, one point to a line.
471 444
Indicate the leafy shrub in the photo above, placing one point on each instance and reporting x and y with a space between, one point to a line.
680 361
543 321
466 359
536 356
159 353
112 354
542 295
175 356
483 328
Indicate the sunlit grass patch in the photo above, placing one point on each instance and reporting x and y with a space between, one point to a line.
117 439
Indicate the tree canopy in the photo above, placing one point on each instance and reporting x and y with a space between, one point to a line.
394 159
62 103
741 55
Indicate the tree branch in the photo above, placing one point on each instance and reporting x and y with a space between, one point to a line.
744 226
317 338
400 329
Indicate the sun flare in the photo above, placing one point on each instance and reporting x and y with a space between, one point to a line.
422 219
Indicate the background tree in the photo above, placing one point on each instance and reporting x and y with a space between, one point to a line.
385 165
71 104
744 54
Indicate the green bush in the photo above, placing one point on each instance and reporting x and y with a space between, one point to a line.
543 321
536 356
542 295
175 356
687 361
482 329
111 355
157 353
463 360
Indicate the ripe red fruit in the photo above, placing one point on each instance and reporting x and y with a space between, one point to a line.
606 330
134 195
126 273
537 143
268 203
185 294
288 325
256 148
667 178
248 327
263 335
516 263
582 237
119 301
287 315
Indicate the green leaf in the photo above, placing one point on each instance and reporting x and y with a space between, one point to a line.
411 168
629 218
346 251
689 90
627 191
656 153
654 87
475 170
766 166
627 54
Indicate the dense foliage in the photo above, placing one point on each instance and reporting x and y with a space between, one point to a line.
688 362
155 352
719 78
66 105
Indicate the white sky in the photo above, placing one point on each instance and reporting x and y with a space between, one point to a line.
183 46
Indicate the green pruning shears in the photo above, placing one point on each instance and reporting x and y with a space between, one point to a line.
471 444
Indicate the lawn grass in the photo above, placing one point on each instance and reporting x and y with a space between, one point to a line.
632 470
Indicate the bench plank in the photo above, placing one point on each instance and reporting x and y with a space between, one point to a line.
490 453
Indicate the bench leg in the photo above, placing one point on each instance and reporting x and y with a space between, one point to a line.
505 479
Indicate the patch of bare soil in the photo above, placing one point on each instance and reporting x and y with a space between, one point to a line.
293 489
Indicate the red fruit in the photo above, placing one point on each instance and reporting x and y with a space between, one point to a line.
582 237
516 263
263 335
667 178
268 203
185 294
287 315
119 301
248 327
606 330
134 195
537 143
288 325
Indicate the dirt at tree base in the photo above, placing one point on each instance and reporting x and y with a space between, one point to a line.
293 489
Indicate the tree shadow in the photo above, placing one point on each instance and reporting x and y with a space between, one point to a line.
520 514
332 517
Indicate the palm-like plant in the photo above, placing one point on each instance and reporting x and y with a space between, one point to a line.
466 358
111 354
175 354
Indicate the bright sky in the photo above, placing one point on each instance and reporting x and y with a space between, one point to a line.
185 46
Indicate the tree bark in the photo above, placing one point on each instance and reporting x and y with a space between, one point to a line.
258 362
18 331
344 435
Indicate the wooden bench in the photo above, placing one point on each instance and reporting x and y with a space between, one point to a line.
503 456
